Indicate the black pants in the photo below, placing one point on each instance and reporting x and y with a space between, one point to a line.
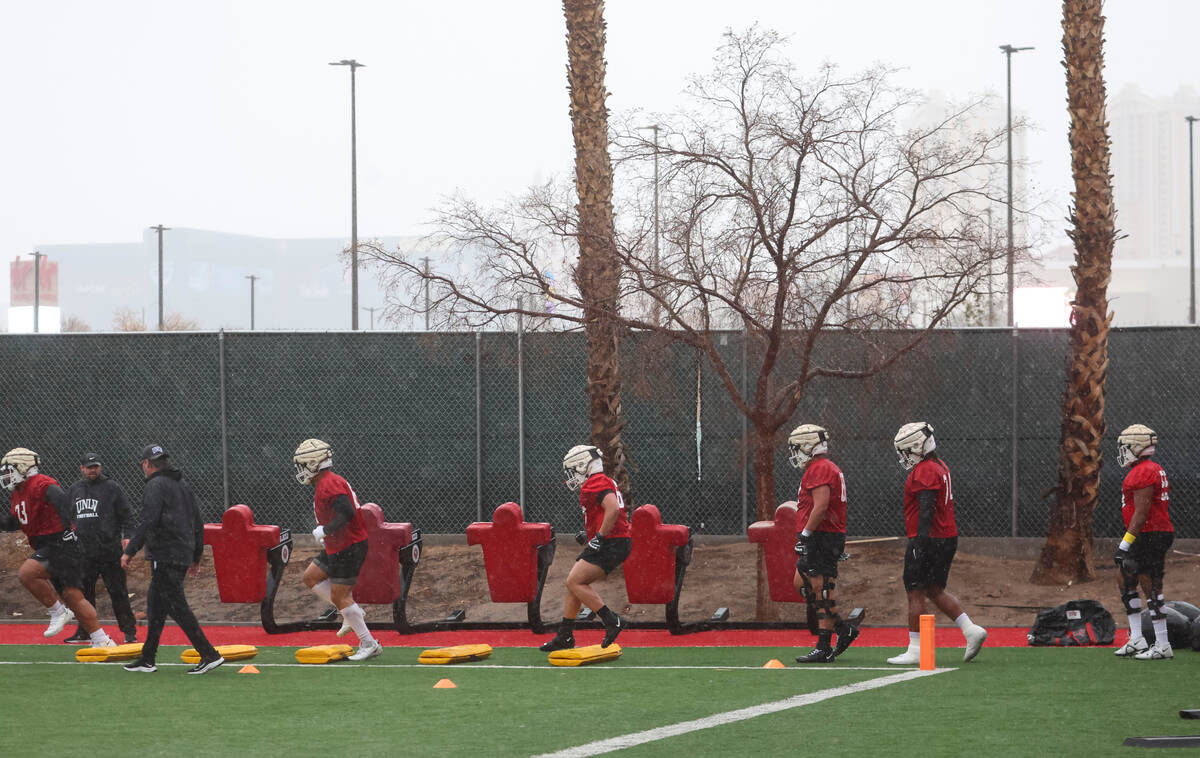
114 581
166 598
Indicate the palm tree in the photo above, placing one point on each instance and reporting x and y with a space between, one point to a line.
598 272
1067 554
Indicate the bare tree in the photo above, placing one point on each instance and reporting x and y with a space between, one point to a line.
75 324
792 208
125 320
1067 554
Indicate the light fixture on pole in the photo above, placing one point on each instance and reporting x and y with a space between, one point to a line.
37 287
252 279
354 66
654 305
1191 120
1008 51
372 312
160 229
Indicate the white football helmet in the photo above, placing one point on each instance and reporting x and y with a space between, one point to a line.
311 456
16 466
913 442
804 442
1135 442
579 463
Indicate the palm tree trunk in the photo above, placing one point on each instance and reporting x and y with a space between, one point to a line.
598 272
1067 554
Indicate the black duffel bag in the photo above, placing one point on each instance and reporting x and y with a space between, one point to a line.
1079 622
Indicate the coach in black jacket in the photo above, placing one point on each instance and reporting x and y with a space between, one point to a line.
102 523
173 534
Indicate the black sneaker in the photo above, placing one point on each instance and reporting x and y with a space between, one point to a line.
141 666
558 642
78 638
203 667
845 639
131 639
817 656
612 629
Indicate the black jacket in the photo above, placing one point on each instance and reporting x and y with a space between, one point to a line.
171 528
102 515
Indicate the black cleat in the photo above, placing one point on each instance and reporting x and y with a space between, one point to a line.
817 656
141 666
78 638
203 667
131 638
558 642
612 629
845 639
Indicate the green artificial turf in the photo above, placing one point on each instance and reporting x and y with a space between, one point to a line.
1011 701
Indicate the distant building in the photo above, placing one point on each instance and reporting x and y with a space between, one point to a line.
302 284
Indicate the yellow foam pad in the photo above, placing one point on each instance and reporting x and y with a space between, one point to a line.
456 654
228 652
323 653
102 654
582 656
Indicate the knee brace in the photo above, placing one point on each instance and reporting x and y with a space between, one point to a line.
1131 601
806 591
827 601
1155 604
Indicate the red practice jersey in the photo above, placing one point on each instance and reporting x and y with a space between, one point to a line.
33 510
1146 473
329 487
930 474
822 472
591 495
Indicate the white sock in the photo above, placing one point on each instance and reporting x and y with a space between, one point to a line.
58 608
1160 634
963 621
358 622
914 641
321 590
99 637
1135 626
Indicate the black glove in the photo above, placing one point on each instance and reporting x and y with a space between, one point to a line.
1126 563
802 549
581 537
1119 557
69 536
594 544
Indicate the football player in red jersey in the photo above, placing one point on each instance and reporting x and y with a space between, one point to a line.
932 540
343 535
1145 508
607 536
42 510
821 514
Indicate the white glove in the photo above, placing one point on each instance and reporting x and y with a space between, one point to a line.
319 535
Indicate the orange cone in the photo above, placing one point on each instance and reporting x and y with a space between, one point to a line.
249 669
774 663
445 684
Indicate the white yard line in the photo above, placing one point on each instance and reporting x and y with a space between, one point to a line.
472 666
729 717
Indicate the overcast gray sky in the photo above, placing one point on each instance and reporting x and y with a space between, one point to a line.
224 114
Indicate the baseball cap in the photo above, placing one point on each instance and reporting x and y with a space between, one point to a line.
89 459
153 452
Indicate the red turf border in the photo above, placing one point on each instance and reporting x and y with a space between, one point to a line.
31 634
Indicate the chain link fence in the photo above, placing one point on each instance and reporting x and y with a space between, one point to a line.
440 428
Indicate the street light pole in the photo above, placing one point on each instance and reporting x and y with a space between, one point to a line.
372 312
252 279
1191 226
1008 54
654 304
160 229
426 261
354 65
37 287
